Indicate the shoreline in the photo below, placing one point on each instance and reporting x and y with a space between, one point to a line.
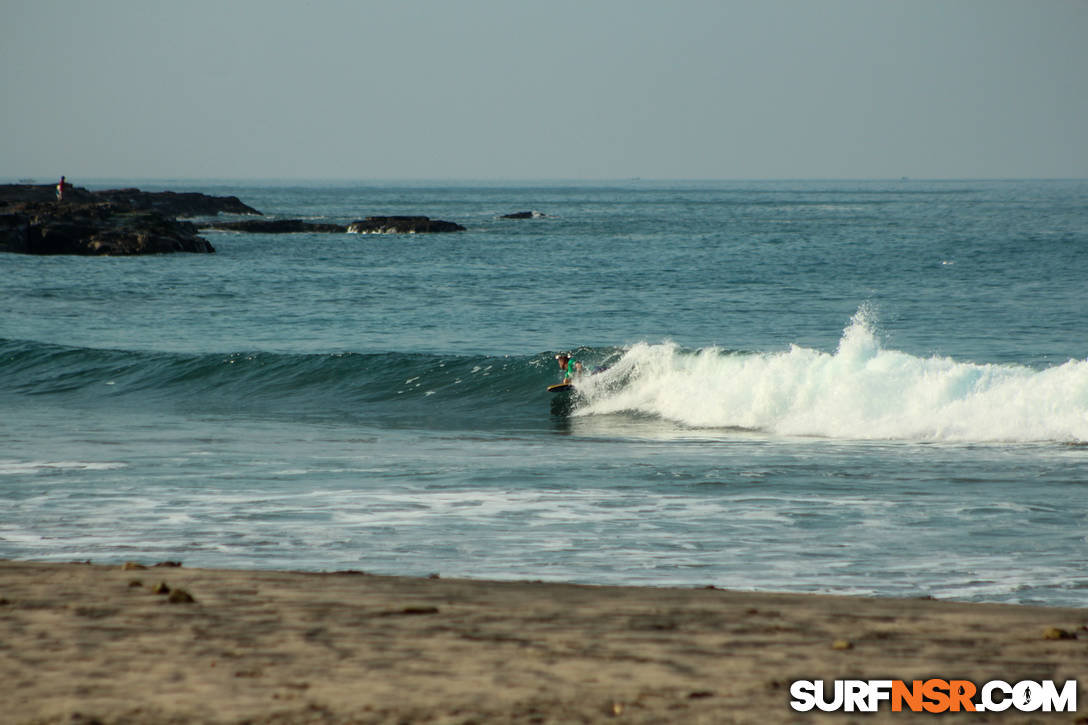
94 643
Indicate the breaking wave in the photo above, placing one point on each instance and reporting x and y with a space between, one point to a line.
861 391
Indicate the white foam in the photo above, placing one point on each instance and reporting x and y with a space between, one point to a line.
861 391
14 467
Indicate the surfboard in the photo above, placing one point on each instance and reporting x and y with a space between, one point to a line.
560 388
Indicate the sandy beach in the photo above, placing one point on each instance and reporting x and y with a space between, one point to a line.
88 643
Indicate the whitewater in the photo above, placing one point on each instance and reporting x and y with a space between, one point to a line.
858 392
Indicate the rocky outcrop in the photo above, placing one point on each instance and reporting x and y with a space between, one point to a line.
276 226
170 203
130 221
93 229
524 215
27 193
14 232
402 225
167 203
113 222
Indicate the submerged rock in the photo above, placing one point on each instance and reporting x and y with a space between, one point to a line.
402 225
524 215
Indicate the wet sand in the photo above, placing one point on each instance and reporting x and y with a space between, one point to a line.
83 643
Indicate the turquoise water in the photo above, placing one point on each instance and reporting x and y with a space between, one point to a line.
854 387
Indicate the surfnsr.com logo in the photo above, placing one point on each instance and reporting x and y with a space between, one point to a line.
933 695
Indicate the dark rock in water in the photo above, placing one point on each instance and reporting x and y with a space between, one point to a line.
167 203
402 225
14 232
93 229
28 193
277 226
16 193
32 221
171 203
523 215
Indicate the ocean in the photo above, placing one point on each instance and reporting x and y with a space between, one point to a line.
872 388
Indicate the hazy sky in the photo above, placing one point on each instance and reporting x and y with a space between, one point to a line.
585 89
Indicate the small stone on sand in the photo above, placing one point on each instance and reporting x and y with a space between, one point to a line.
180 596
1057 633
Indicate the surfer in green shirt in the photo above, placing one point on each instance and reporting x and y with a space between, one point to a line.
568 366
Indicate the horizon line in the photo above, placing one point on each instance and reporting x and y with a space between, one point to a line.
32 179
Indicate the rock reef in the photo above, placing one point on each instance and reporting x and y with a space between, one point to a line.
276 226
524 215
94 229
402 225
112 222
171 203
131 221
167 203
370 225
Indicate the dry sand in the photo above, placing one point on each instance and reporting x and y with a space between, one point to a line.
86 644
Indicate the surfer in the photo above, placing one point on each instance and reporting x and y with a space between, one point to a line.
568 366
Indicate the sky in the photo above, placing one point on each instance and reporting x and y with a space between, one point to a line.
502 89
